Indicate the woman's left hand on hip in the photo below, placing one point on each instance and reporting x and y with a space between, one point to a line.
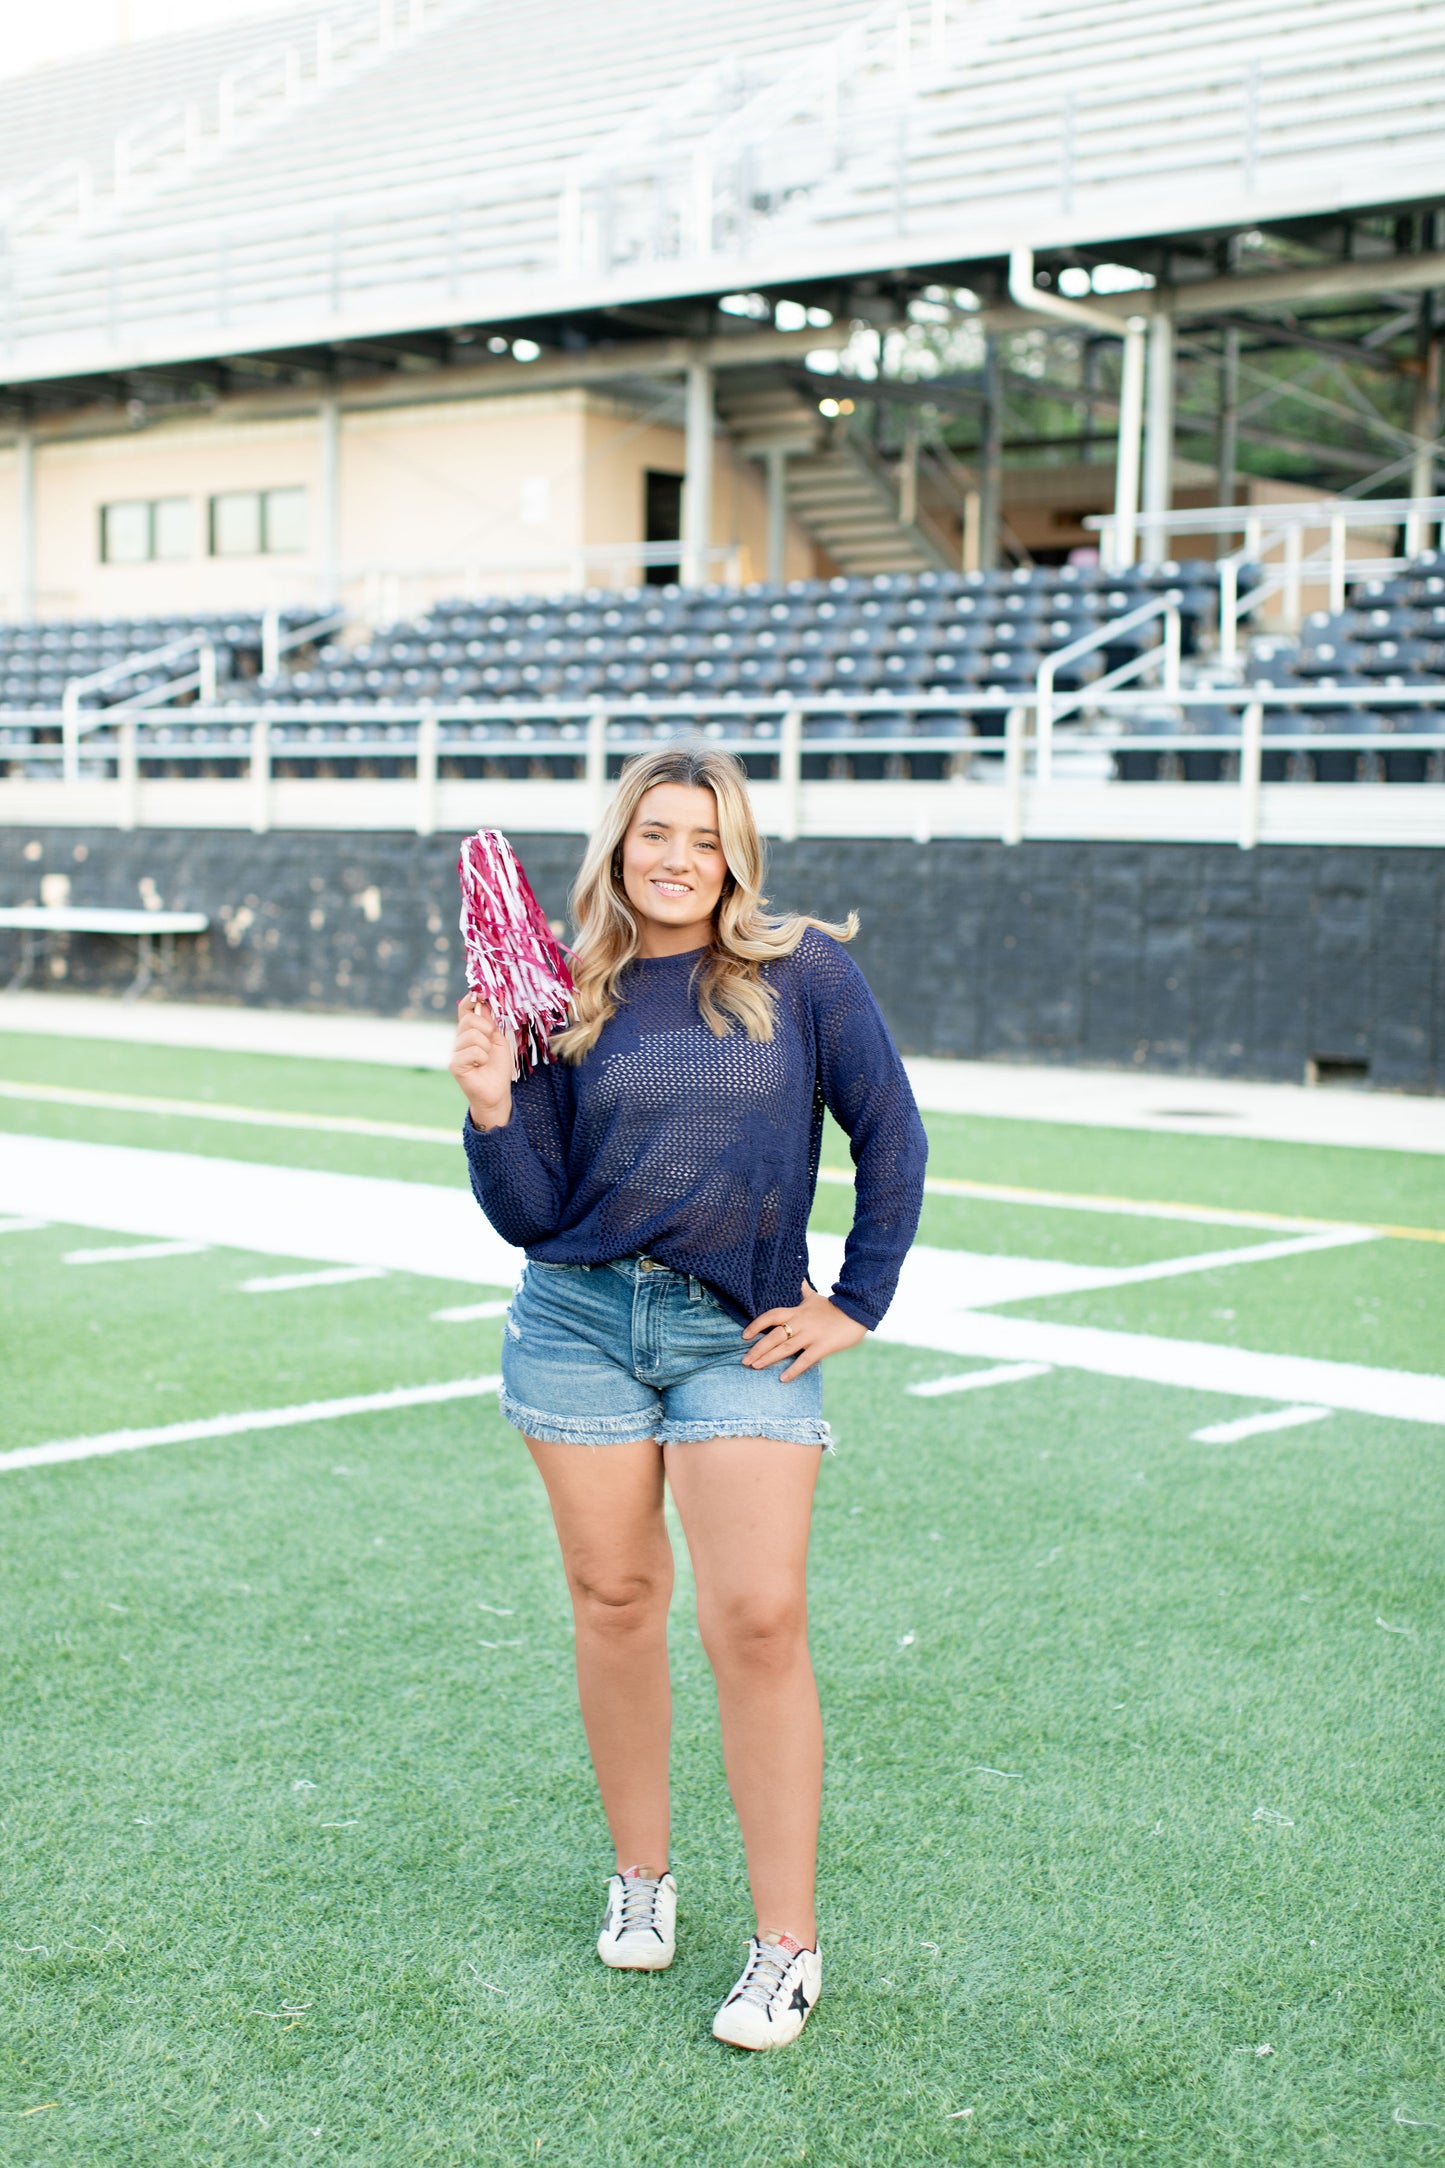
800 1336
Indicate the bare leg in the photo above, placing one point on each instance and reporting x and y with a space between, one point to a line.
607 1505
745 1505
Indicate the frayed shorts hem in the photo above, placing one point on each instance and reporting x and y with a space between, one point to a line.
631 1429
580 1429
808 1432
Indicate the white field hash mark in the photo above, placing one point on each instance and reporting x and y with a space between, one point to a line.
228 1426
969 1381
286 1283
1254 1426
133 1253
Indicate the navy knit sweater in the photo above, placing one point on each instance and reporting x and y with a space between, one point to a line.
703 1151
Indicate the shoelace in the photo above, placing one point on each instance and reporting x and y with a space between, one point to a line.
764 1976
639 1905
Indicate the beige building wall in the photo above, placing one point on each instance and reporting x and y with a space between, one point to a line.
474 497
622 447
533 493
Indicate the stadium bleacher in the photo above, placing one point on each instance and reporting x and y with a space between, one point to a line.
526 177
887 671
929 632
1391 635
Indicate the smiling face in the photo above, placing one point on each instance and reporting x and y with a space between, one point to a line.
673 868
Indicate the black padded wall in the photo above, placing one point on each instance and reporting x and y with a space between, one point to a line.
1162 956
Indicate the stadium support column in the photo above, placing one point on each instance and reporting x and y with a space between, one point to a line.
697 482
25 524
1424 423
1159 438
1227 459
1131 430
990 457
328 525
776 461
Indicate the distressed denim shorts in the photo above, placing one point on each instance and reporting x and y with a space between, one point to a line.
605 1354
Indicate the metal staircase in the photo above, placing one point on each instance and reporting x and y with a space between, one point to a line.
854 502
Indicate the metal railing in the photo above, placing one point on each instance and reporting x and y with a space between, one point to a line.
1051 706
278 638
76 720
995 784
1267 530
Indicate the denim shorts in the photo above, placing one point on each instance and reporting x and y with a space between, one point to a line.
605 1354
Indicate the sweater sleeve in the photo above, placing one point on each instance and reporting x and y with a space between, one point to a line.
868 1094
519 1174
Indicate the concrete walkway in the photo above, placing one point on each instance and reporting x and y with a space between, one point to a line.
1102 1098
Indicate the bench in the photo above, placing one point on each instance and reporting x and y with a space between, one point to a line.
142 927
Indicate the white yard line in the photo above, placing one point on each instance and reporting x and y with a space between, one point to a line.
22 1226
1254 1253
207 1110
286 1283
1017 1091
230 1426
470 1313
1200 1366
945 1300
1254 1426
292 1212
134 1253
934 1279
351 1125
970 1381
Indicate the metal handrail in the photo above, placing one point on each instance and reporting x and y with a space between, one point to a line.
75 721
1297 512
1048 709
277 640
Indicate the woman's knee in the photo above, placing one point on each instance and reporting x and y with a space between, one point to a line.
757 1632
619 1601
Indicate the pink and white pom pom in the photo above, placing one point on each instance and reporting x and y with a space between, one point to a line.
514 962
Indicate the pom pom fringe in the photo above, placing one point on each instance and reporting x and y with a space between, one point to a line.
513 960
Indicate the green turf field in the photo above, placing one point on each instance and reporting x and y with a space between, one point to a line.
1133 1828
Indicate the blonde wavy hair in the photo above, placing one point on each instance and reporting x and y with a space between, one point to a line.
730 987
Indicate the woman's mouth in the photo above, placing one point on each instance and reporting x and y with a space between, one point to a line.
672 888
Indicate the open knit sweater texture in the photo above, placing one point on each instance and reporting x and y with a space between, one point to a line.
702 1151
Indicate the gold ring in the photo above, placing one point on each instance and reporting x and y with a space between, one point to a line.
787 1332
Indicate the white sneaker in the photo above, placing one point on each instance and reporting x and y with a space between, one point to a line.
639 1933
769 2006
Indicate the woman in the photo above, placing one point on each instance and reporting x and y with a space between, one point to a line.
659 1176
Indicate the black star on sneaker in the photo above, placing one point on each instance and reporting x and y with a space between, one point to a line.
774 1998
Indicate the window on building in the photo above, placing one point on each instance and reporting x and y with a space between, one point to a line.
173 528
283 520
258 522
145 529
662 521
125 534
236 523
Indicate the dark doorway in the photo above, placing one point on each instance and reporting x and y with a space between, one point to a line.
662 522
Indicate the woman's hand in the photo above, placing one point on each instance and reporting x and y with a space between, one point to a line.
482 1064
815 1328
